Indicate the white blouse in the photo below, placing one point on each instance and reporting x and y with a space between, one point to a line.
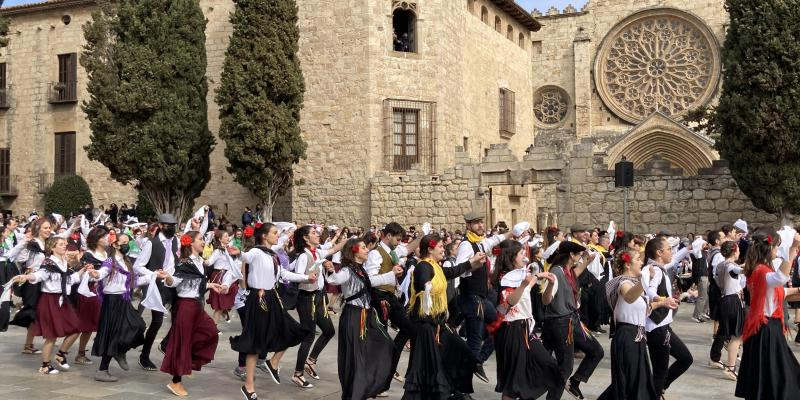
188 291
115 283
301 263
51 283
634 314
220 259
262 271
650 284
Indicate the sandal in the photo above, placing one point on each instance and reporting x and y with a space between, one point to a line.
29 349
81 359
310 369
730 372
300 381
61 361
47 369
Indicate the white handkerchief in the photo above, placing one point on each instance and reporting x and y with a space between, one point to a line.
83 288
551 249
697 247
787 237
152 300
612 232
426 228
406 283
514 278
520 228
200 212
6 291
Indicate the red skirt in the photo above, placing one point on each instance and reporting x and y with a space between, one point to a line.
218 301
192 339
54 321
88 311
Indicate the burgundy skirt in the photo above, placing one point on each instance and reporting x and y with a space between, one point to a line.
54 321
192 339
88 311
218 301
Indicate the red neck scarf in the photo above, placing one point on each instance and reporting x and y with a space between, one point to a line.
313 252
757 283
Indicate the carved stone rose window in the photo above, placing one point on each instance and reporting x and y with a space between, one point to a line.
550 106
657 60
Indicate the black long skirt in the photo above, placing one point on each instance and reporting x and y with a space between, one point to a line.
525 369
714 298
437 368
8 270
120 329
29 292
730 315
631 376
365 355
268 327
769 370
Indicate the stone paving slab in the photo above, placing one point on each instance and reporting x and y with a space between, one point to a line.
19 379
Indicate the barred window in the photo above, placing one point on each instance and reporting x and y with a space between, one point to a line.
507 117
410 135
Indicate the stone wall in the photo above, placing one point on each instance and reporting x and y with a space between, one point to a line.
661 198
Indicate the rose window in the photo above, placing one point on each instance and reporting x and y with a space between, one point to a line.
657 60
550 105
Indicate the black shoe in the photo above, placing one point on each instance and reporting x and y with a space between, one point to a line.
600 331
249 395
162 348
481 374
574 391
146 364
273 372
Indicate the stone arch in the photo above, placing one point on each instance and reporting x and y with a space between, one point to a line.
661 136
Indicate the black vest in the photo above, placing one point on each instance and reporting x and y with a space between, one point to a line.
660 313
157 253
477 283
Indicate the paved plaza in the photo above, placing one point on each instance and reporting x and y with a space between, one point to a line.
19 379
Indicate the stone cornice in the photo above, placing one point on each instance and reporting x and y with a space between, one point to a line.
45 6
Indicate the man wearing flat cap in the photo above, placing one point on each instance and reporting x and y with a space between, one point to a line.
161 252
476 298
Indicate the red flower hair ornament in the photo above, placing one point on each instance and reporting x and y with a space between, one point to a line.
186 240
248 232
769 239
620 234
355 249
625 257
75 236
496 251
258 225
432 244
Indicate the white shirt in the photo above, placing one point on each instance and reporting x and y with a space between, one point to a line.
261 274
220 259
300 264
374 259
351 285
651 284
635 313
169 256
51 283
465 251
188 291
523 310
718 258
115 284
32 262
774 279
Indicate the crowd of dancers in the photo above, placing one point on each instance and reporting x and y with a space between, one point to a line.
536 301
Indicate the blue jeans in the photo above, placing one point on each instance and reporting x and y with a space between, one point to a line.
477 312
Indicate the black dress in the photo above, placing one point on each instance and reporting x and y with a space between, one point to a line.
441 362
121 328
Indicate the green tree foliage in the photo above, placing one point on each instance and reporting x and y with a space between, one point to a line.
260 98
757 120
67 194
146 61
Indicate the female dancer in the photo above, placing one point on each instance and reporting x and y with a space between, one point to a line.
631 377
524 368
121 328
769 370
88 308
222 261
193 336
562 330
312 303
730 311
440 362
365 348
267 326
662 342
32 257
55 316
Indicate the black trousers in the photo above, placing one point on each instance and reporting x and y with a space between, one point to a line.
555 337
389 308
661 343
313 311
592 299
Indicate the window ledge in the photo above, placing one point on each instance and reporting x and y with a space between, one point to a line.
506 134
405 54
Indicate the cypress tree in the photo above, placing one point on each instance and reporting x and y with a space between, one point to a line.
146 61
757 120
260 98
